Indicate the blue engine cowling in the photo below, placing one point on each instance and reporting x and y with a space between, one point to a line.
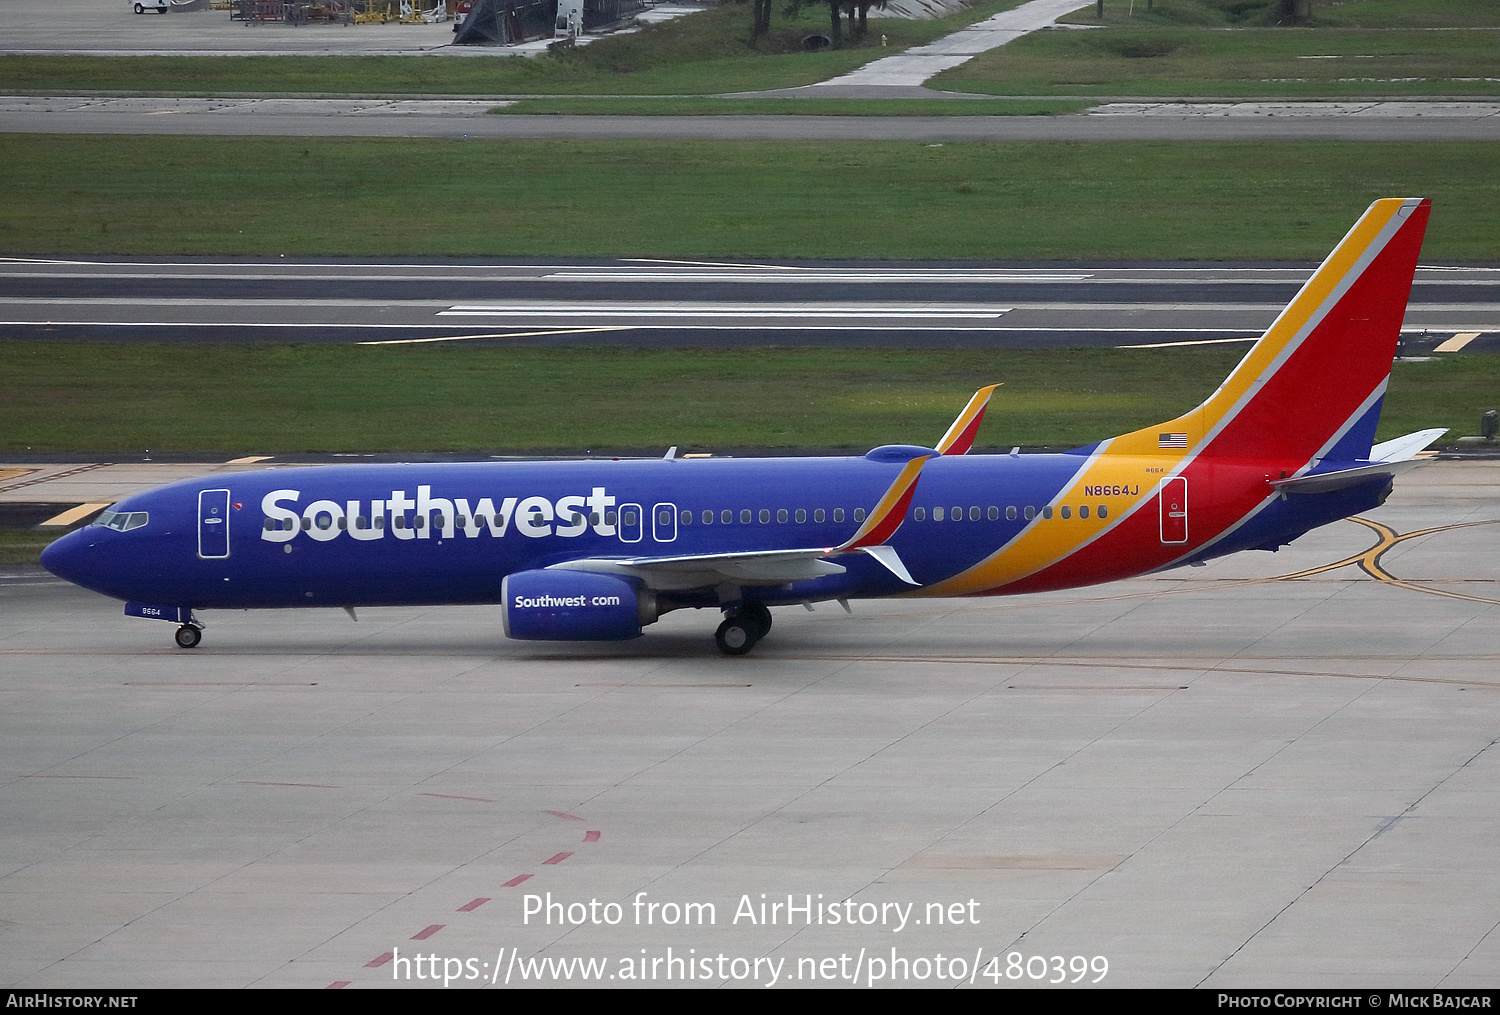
574 606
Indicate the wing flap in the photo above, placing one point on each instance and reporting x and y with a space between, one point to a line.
704 570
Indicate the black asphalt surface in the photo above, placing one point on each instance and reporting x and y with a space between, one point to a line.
684 304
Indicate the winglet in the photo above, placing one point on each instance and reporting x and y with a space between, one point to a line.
960 436
887 515
887 555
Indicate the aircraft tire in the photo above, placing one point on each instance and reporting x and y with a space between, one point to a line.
188 636
759 615
736 635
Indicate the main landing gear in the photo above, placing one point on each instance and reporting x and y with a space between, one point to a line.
189 635
743 626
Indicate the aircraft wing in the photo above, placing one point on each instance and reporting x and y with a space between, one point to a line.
773 567
701 570
753 567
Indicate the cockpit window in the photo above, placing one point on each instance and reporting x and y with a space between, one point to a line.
122 521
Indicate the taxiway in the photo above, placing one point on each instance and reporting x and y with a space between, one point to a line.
1277 770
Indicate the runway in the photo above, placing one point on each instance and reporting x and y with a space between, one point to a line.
1274 771
663 302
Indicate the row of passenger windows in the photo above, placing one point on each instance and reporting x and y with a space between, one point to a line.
993 513
975 513
685 517
746 516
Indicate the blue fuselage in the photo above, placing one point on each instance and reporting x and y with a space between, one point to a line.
451 533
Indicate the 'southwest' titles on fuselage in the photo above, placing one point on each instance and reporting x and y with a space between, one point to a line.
424 516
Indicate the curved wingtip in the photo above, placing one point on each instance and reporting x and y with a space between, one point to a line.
960 436
887 515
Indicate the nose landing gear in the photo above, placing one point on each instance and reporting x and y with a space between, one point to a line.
189 635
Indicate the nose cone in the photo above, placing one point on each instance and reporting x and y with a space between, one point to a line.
67 557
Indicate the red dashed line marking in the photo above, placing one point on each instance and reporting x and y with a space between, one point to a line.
452 796
591 835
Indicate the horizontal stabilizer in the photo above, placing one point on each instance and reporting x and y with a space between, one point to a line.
1404 448
1327 482
1388 459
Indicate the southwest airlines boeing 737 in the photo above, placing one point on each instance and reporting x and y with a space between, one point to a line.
597 550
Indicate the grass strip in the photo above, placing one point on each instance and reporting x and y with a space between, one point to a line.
1252 48
1301 14
1263 62
121 398
673 106
24 546
701 53
703 199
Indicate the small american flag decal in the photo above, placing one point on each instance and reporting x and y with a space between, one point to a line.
1171 440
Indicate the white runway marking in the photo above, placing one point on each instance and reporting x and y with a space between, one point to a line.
805 276
512 334
711 310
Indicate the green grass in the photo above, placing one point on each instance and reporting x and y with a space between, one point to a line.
262 399
232 400
703 53
1271 13
703 106
1407 13
842 200
1207 48
24 546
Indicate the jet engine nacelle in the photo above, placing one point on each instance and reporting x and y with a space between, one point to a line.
574 606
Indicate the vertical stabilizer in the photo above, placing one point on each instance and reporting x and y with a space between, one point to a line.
1311 387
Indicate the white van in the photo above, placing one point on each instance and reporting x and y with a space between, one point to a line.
159 6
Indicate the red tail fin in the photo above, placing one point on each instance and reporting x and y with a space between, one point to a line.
1312 385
